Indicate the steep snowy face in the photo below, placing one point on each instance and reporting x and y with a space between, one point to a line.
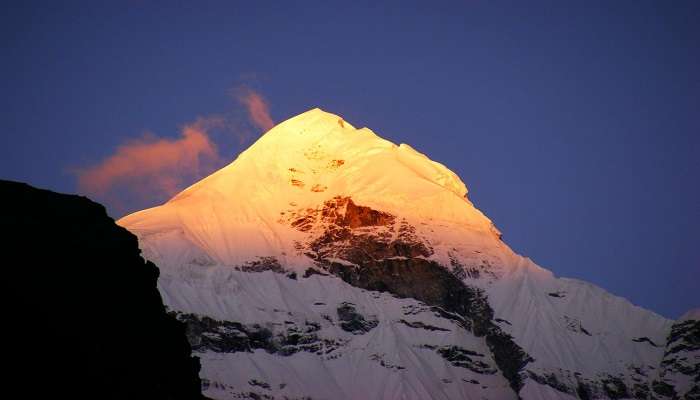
237 214
326 251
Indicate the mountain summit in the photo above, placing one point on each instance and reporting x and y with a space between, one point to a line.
328 263
233 215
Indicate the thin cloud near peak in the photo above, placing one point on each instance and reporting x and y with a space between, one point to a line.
256 105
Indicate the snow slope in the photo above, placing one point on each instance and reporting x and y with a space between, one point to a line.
315 194
232 215
392 360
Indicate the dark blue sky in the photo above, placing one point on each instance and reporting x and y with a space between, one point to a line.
575 126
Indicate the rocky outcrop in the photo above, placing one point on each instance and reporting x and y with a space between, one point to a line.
85 317
464 358
679 374
208 334
354 322
343 230
375 250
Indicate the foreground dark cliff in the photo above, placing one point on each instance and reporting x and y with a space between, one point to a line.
84 315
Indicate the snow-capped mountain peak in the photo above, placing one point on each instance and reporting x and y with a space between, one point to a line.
324 256
234 214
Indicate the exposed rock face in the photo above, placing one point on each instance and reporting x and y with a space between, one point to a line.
390 258
87 319
208 334
679 376
354 322
355 233
465 358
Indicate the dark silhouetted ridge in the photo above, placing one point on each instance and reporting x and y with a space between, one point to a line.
84 315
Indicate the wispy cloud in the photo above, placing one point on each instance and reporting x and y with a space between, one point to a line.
149 170
152 169
255 103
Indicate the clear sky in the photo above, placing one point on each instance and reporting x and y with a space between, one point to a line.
575 125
